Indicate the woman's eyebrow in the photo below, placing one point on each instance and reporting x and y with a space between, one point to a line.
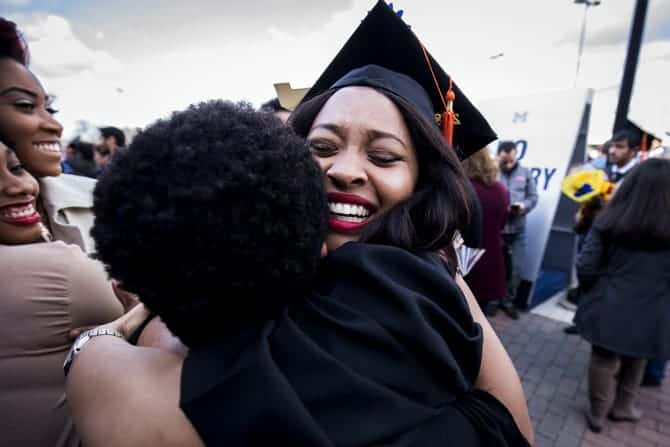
377 134
334 128
18 89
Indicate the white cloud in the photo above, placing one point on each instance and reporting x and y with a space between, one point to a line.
56 51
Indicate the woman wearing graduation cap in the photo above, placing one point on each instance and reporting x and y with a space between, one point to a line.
386 350
380 121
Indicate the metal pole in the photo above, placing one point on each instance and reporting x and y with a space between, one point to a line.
632 56
581 43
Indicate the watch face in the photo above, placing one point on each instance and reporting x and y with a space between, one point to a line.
81 341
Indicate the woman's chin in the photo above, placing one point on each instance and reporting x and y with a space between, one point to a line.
48 171
21 237
336 240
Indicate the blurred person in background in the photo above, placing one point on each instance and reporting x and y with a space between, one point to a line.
624 273
618 159
622 154
79 159
600 162
102 157
274 107
522 199
487 277
112 139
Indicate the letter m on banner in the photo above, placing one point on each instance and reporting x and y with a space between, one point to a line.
520 117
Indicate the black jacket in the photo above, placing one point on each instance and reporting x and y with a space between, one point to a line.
626 305
384 353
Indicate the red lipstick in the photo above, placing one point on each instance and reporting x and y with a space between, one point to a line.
338 223
23 220
342 197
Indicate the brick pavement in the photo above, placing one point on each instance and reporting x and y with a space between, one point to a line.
552 366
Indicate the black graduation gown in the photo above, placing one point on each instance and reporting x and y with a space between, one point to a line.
385 352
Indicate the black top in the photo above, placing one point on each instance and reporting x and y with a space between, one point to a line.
384 353
626 303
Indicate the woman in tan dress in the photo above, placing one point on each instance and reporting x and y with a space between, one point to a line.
48 289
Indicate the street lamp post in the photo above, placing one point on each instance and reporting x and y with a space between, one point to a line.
587 4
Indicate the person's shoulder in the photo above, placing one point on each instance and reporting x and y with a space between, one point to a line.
377 257
522 170
68 190
69 181
371 271
63 251
39 253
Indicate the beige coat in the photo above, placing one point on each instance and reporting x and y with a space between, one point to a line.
47 290
68 202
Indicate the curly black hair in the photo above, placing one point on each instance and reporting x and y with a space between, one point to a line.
214 217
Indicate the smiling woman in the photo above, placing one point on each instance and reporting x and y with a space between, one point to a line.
27 122
26 110
365 150
48 288
19 219
394 179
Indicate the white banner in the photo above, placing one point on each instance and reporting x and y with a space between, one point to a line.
650 99
544 128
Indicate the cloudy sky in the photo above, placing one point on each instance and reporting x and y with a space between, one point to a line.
129 62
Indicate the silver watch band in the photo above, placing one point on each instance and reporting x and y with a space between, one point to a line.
83 338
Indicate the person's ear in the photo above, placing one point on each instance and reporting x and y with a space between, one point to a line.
324 250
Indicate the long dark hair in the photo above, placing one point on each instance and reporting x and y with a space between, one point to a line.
638 216
439 205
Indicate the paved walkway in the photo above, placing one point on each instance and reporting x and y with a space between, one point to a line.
552 366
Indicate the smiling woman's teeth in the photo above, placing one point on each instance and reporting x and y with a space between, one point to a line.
349 212
18 212
48 147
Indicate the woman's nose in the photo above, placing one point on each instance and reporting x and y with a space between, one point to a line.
17 187
347 170
51 125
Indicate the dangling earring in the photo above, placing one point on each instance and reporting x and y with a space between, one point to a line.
44 232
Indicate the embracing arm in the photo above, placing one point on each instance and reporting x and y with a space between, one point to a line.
497 374
121 395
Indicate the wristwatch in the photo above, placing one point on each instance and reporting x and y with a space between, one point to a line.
83 338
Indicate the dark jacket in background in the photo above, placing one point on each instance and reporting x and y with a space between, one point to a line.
522 189
626 304
487 277
80 166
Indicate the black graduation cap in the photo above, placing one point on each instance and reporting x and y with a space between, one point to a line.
383 52
646 138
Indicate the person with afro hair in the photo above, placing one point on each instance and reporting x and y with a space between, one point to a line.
215 218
